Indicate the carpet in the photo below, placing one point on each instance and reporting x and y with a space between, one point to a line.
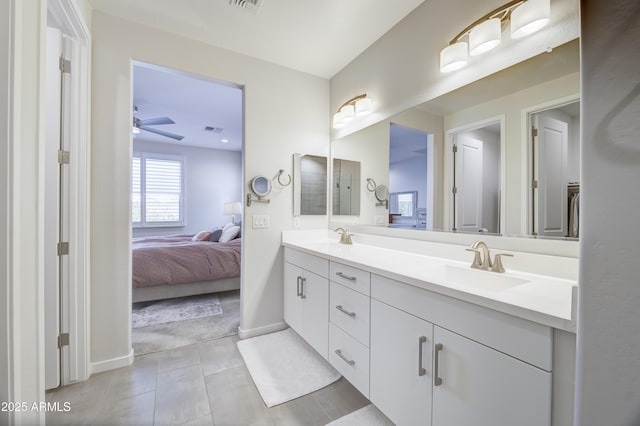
283 367
156 312
162 337
366 416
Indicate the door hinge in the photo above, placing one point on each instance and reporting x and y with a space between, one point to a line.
63 157
63 248
65 65
455 149
534 132
454 190
534 184
63 340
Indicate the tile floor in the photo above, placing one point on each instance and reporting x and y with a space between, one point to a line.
202 384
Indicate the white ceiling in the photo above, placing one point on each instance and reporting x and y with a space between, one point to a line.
193 103
317 37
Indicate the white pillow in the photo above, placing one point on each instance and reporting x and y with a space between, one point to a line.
229 234
227 226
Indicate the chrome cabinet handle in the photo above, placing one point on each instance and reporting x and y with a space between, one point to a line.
344 311
437 381
421 341
298 286
344 358
302 293
346 277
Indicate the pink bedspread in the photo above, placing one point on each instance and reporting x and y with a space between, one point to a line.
175 259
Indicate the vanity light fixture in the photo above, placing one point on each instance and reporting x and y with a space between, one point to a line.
483 35
354 107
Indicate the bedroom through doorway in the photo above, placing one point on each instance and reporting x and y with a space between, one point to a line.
186 210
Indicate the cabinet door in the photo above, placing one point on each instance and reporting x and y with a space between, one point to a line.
315 312
398 387
481 386
292 301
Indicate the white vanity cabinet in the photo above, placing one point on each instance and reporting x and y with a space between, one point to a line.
437 360
306 298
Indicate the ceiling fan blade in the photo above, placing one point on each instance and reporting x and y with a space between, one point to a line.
156 121
162 133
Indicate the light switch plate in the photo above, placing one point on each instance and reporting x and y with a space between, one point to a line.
261 221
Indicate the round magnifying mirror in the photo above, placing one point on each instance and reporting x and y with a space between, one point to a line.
261 186
382 192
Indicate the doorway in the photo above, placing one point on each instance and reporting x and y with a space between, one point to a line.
554 170
475 177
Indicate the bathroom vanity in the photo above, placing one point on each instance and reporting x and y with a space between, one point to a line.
428 339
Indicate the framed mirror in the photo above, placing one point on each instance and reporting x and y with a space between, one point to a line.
510 97
345 187
309 185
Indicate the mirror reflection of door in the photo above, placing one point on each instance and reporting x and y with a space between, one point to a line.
346 187
556 171
411 177
476 189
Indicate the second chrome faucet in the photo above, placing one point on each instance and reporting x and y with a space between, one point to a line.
482 258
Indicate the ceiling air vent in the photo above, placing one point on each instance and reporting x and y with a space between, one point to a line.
213 129
249 5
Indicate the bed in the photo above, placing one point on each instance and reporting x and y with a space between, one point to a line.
175 266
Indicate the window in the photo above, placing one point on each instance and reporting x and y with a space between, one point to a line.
403 203
157 190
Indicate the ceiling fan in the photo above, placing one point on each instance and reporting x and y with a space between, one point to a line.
140 124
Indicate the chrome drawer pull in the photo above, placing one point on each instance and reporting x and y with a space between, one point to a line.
437 381
341 309
303 295
348 361
421 341
299 286
346 277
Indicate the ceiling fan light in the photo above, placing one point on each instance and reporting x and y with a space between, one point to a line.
453 57
530 17
348 112
364 106
485 36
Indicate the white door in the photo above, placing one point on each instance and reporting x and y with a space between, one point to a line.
481 386
401 380
468 181
52 209
345 194
550 197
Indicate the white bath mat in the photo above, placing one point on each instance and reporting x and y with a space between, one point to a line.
284 367
165 311
366 416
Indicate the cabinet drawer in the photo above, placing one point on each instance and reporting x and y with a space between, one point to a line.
353 278
350 358
312 263
349 310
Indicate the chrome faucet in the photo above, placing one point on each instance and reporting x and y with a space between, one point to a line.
345 236
482 259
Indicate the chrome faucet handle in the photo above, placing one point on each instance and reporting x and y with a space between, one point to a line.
477 260
497 262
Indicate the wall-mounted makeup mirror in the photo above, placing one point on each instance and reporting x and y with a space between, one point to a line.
345 187
309 185
261 187
502 103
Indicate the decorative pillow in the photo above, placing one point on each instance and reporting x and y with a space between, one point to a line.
201 236
229 234
215 235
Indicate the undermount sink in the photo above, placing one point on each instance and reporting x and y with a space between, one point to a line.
467 277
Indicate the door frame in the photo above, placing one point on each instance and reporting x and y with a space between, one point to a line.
527 141
75 365
449 139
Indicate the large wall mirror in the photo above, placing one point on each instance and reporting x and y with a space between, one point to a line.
498 156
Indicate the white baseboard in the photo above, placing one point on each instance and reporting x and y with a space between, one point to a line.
253 332
111 364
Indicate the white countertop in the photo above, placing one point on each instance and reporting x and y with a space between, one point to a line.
542 299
